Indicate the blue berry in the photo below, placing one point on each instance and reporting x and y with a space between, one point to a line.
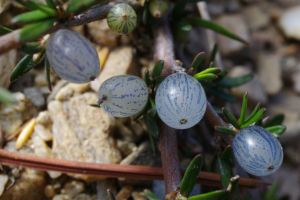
72 56
257 150
123 95
180 101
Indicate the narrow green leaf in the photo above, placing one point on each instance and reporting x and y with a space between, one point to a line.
206 85
146 12
151 125
276 120
234 181
158 68
222 95
278 130
191 175
205 77
271 193
47 74
227 153
217 109
34 15
4 31
231 119
236 81
197 61
79 6
24 66
110 195
153 144
51 4
183 25
159 79
211 70
151 114
257 107
215 195
215 27
178 9
254 118
213 55
225 172
95 105
244 109
33 5
147 78
141 112
150 195
225 130
221 76
34 30
32 47
6 97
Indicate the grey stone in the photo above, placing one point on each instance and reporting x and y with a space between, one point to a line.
35 96
289 22
256 17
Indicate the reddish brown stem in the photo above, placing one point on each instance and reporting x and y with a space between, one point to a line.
164 50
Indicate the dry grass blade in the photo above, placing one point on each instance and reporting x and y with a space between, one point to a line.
109 170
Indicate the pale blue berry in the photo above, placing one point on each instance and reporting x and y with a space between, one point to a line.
180 101
123 95
72 56
257 150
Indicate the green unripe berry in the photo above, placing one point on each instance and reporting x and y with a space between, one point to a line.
121 18
159 8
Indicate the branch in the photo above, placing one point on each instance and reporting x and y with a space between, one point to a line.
164 50
11 40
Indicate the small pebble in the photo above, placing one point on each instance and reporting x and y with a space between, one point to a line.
49 191
74 188
35 96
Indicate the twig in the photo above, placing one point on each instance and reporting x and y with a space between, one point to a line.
109 170
11 40
164 50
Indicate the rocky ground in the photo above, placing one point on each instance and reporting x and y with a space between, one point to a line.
68 128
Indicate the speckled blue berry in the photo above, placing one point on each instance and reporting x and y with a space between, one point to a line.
257 150
72 56
123 95
180 101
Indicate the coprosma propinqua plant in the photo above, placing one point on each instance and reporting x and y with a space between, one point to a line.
167 98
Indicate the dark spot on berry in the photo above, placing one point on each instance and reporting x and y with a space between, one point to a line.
183 121
270 168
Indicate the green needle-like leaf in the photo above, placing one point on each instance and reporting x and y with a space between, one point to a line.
33 5
79 6
151 125
234 181
32 47
183 25
146 12
217 110
205 77
225 130
254 118
244 109
32 16
215 27
197 61
276 120
213 55
271 193
110 195
95 105
150 195
211 70
141 112
225 172
278 130
236 81
158 68
227 153
215 195
231 119
147 78
47 73
34 30
24 66
4 31
179 9
51 4
152 112
6 97
191 175
257 107
153 144
222 95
